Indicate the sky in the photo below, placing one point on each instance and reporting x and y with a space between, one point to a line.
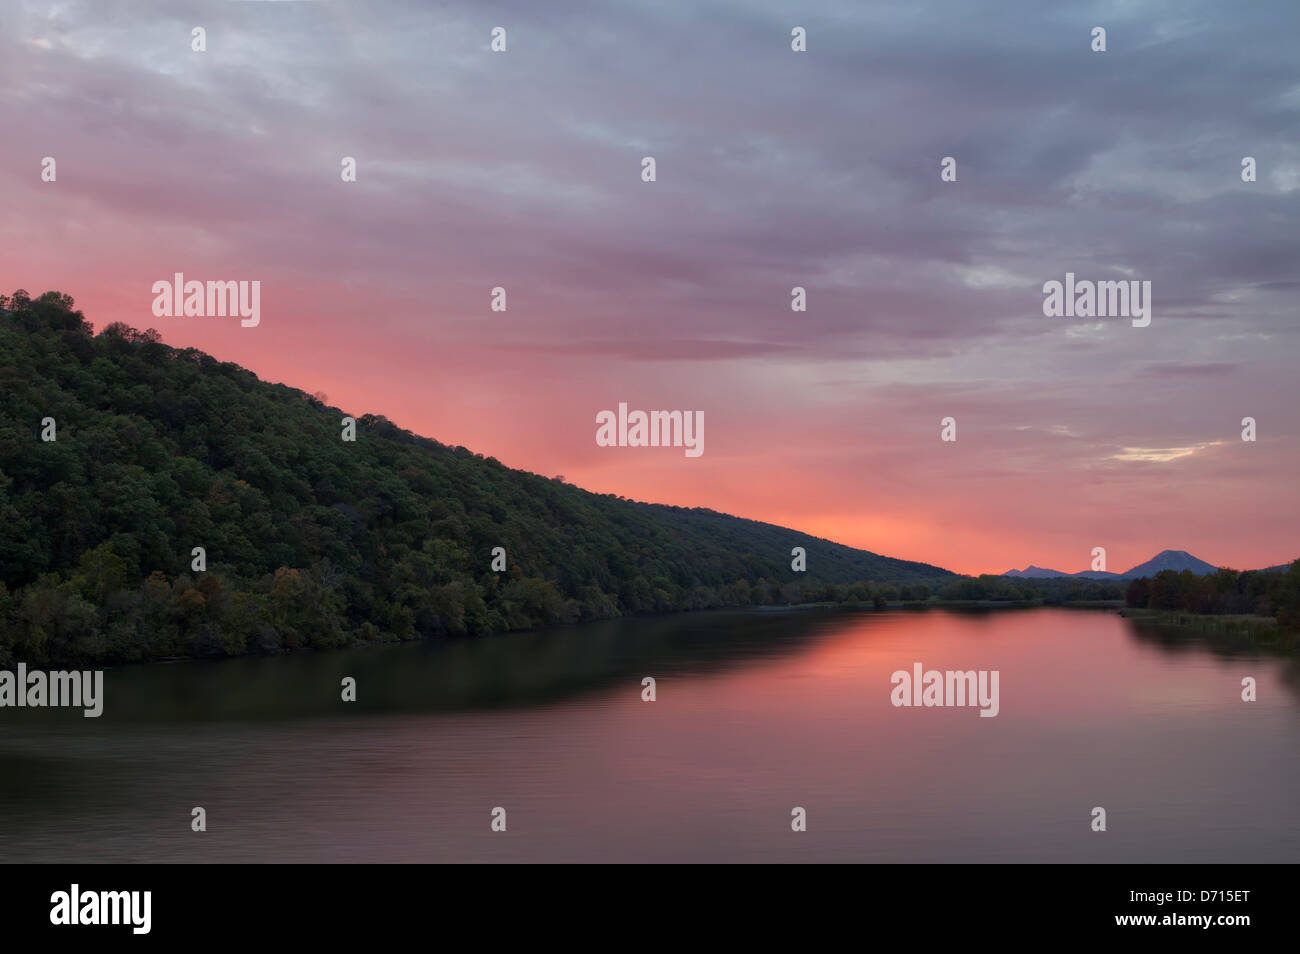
522 169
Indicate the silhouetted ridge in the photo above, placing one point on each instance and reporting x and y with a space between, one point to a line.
311 541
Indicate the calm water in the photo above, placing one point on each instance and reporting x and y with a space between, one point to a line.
757 712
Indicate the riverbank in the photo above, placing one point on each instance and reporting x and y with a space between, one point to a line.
947 604
1263 631
911 606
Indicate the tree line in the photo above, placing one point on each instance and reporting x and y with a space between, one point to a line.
1270 593
311 541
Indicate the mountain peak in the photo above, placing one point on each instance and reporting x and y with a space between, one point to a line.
1035 572
1177 560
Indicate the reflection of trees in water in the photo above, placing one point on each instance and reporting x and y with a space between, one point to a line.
484 672
1178 640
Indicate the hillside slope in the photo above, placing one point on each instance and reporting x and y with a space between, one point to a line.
310 540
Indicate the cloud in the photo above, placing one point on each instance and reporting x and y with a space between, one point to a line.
1160 455
776 169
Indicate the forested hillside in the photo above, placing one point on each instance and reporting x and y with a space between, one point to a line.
311 540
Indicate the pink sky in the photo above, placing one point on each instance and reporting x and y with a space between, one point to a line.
478 170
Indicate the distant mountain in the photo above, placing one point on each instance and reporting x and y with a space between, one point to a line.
1176 560
1032 572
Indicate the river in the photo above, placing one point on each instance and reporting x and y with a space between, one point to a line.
756 713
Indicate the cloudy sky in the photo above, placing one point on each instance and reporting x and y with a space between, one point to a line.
522 169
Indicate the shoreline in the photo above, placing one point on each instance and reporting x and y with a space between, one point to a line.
908 605
1261 631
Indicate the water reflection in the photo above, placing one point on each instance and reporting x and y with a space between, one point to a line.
756 712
